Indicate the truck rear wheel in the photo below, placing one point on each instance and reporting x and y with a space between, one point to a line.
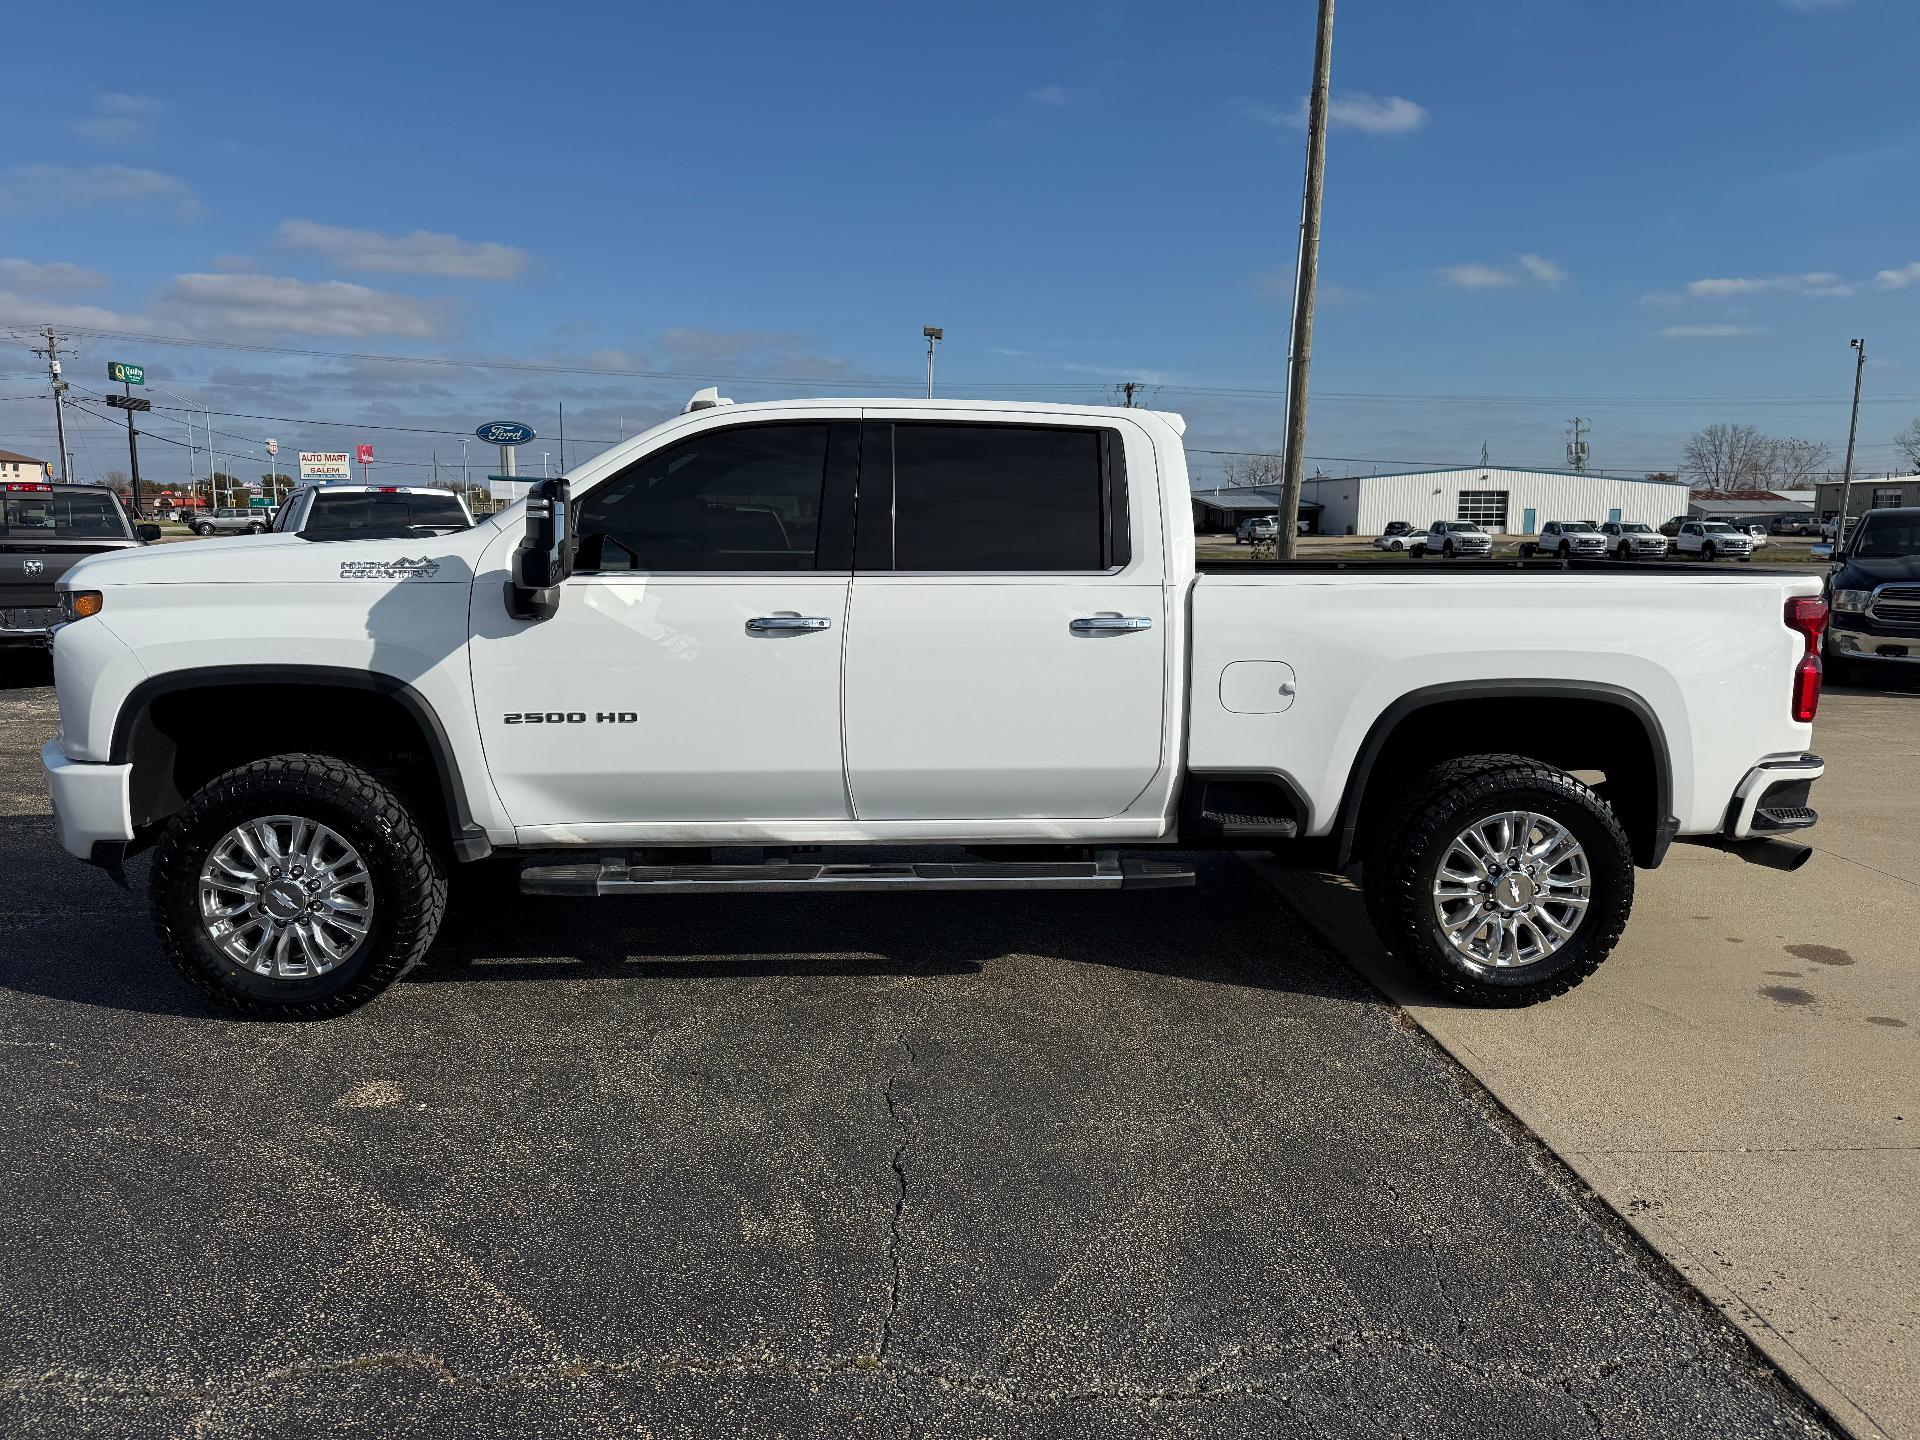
1501 881
296 888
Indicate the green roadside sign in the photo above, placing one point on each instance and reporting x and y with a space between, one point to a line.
259 502
122 373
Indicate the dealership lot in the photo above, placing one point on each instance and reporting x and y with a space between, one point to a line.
1155 1163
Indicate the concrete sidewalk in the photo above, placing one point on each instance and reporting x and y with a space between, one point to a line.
1741 1079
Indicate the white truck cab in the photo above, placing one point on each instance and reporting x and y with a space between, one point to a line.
827 629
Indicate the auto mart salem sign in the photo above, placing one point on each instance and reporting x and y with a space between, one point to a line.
325 465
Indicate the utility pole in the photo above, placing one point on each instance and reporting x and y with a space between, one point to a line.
59 387
563 437
1129 392
1306 278
935 334
1578 449
1853 427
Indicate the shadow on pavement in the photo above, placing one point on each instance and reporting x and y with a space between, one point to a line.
25 669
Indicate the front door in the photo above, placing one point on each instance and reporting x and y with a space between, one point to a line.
692 670
1006 640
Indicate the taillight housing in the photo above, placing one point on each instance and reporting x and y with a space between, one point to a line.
1807 615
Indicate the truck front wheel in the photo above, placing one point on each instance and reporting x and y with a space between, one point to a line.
296 887
1501 881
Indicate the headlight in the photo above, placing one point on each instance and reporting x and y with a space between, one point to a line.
1852 601
79 604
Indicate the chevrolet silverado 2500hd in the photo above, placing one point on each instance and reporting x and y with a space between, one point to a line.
821 628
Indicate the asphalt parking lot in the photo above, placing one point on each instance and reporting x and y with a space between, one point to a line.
948 1165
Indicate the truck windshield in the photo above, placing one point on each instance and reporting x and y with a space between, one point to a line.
365 516
1719 527
1888 537
1578 527
54 514
1634 527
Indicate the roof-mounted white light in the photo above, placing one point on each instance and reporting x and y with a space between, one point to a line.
705 400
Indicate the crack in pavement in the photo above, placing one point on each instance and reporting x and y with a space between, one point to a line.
903 1120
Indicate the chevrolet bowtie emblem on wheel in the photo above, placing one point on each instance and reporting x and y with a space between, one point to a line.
33 567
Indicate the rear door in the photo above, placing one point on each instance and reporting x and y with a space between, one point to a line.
1007 633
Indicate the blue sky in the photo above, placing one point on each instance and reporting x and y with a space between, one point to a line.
1653 215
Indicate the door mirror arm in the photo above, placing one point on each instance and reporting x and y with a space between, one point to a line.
544 558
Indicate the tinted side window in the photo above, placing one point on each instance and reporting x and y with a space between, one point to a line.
367 516
1000 497
740 499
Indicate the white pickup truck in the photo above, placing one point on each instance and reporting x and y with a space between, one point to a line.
815 629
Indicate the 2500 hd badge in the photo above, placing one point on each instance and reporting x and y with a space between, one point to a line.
571 717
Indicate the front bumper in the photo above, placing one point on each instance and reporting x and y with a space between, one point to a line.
1772 798
1852 634
27 624
92 804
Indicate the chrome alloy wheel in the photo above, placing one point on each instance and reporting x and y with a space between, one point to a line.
1512 889
285 896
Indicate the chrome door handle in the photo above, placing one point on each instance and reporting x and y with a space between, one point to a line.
789 622
1107 624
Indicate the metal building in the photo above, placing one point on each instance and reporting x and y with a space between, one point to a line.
1502 500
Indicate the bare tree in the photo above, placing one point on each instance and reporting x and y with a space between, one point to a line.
1725 457
1907 442
1792 463
1243 471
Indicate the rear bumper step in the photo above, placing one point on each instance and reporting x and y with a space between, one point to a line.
1108 870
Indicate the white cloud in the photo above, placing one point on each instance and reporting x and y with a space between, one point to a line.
26 276
1709 332
17 309
1054 97
1900 278
1369 114
65 187
1276 286
1820 284
120 120
423 252
1543 270
264 304
1475 276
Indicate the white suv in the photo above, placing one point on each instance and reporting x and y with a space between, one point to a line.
1710 539
1451 538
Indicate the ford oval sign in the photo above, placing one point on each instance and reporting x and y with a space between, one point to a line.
505 432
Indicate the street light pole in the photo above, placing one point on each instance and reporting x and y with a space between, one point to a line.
1853 427
935 334
1306 278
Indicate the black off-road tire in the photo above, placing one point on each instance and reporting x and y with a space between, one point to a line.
1409 845
407 873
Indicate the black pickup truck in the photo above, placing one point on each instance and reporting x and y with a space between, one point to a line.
44 530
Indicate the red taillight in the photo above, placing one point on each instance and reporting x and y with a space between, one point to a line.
1807 615
36 487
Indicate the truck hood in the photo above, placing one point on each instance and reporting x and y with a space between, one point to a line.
287 559
1862 572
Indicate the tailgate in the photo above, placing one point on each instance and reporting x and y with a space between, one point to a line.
31 569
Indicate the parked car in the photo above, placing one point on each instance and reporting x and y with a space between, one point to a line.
694 642
46 529
1256 528
1452 538
1874 592
1710 539
1671 529
1792 525
363 512
230 520
1398 535
1633 540
1567 540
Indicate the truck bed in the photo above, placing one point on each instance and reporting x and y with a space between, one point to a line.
1393 568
